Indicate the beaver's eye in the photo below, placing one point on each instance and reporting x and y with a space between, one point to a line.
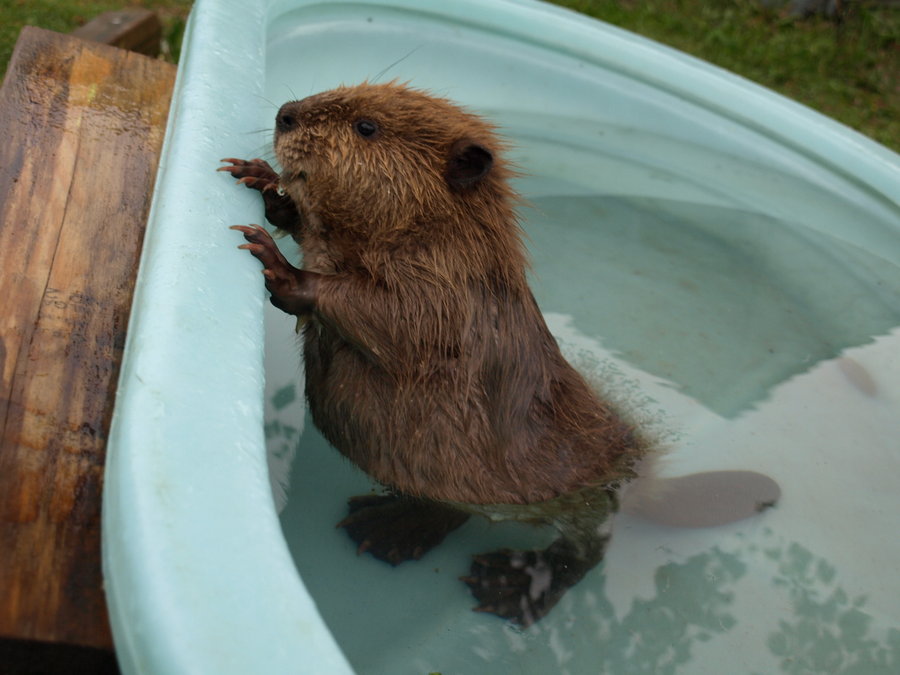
366 128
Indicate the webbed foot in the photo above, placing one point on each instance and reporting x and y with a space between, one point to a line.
523 586
395 528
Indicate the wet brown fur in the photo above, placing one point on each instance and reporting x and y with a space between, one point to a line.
428 362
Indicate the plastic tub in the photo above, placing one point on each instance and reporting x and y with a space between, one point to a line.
726 256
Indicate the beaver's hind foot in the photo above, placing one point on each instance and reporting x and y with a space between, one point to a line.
395 528
523 586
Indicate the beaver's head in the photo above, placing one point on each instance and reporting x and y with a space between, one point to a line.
375 158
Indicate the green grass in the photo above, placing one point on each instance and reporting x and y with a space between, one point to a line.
67 15
849 70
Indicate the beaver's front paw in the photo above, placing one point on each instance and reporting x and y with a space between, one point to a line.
293 290
394 528
256 174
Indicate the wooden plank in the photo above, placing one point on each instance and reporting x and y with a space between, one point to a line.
138 30
83 126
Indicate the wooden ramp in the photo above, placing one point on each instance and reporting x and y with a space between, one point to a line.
83 126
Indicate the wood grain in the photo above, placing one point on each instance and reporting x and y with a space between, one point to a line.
83 126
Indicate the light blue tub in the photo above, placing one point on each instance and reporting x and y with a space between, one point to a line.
727 258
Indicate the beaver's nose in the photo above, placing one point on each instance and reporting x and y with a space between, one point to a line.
288 117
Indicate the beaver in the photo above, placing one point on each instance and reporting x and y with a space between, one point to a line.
428 362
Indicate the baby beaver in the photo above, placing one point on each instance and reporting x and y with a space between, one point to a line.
428 363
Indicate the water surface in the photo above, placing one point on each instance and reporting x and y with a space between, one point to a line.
755 344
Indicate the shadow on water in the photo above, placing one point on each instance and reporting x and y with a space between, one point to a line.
822 629
826 631
691 605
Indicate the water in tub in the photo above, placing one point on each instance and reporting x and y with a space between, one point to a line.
749 341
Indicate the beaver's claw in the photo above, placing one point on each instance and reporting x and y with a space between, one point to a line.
293 290
256 174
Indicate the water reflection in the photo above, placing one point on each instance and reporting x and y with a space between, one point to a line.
827 630
723 303
691 604
285 413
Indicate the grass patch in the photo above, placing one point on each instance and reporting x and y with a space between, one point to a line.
65 16
848 70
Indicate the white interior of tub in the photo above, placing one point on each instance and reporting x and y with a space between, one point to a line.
728 260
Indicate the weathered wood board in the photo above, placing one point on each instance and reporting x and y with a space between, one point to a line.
83 125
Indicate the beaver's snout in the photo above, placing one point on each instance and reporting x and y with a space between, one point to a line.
288 117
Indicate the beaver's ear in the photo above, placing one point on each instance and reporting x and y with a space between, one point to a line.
468 163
